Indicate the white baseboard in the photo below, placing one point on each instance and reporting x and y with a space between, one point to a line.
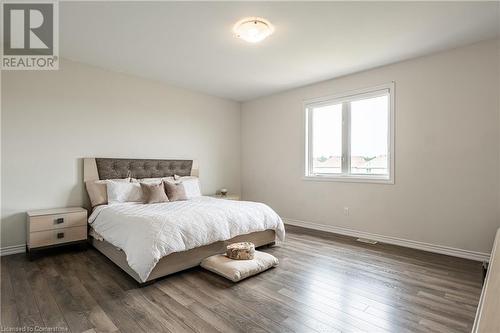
472 255
5 251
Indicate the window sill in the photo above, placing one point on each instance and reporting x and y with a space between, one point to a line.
350 179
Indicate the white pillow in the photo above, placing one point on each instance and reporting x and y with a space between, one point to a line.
191 185
97 190
236 270
152 180
124 192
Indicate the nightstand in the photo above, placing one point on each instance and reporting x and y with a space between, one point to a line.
55 227
227 196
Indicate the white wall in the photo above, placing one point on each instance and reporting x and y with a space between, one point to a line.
446 188
52 119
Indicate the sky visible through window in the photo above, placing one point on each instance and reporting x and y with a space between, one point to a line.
327 133
369 132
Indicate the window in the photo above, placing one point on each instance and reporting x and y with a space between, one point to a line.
349 137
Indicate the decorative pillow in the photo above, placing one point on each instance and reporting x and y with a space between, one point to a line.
175 191
191 185
236 270
124 192
152 180
97 191
154 193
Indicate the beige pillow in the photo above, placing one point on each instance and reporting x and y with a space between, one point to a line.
236 270
96 189
175 191
154 193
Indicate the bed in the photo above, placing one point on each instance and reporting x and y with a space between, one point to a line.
170 237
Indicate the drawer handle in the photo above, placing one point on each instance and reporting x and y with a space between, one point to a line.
59 220
60 235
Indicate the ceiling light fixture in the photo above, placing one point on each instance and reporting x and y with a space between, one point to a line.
253 29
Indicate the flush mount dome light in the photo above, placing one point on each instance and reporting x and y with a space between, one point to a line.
253 29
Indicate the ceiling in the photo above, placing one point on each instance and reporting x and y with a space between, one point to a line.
191 45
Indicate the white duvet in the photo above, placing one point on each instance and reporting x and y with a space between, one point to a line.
148 232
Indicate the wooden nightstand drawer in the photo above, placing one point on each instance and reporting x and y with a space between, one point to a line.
57 236
57 221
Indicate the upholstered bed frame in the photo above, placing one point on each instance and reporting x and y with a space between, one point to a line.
114 168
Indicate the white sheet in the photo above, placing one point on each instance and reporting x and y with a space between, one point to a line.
148 232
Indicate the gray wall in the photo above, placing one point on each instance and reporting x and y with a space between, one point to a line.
446 149
51 119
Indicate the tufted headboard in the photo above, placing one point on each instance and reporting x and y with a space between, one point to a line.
114 168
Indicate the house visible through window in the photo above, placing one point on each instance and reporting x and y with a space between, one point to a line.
349 137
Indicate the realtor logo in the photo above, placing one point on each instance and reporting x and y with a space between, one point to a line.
30 36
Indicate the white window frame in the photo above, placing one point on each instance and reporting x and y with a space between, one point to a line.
309 104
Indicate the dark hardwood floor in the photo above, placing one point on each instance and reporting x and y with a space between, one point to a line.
324 283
